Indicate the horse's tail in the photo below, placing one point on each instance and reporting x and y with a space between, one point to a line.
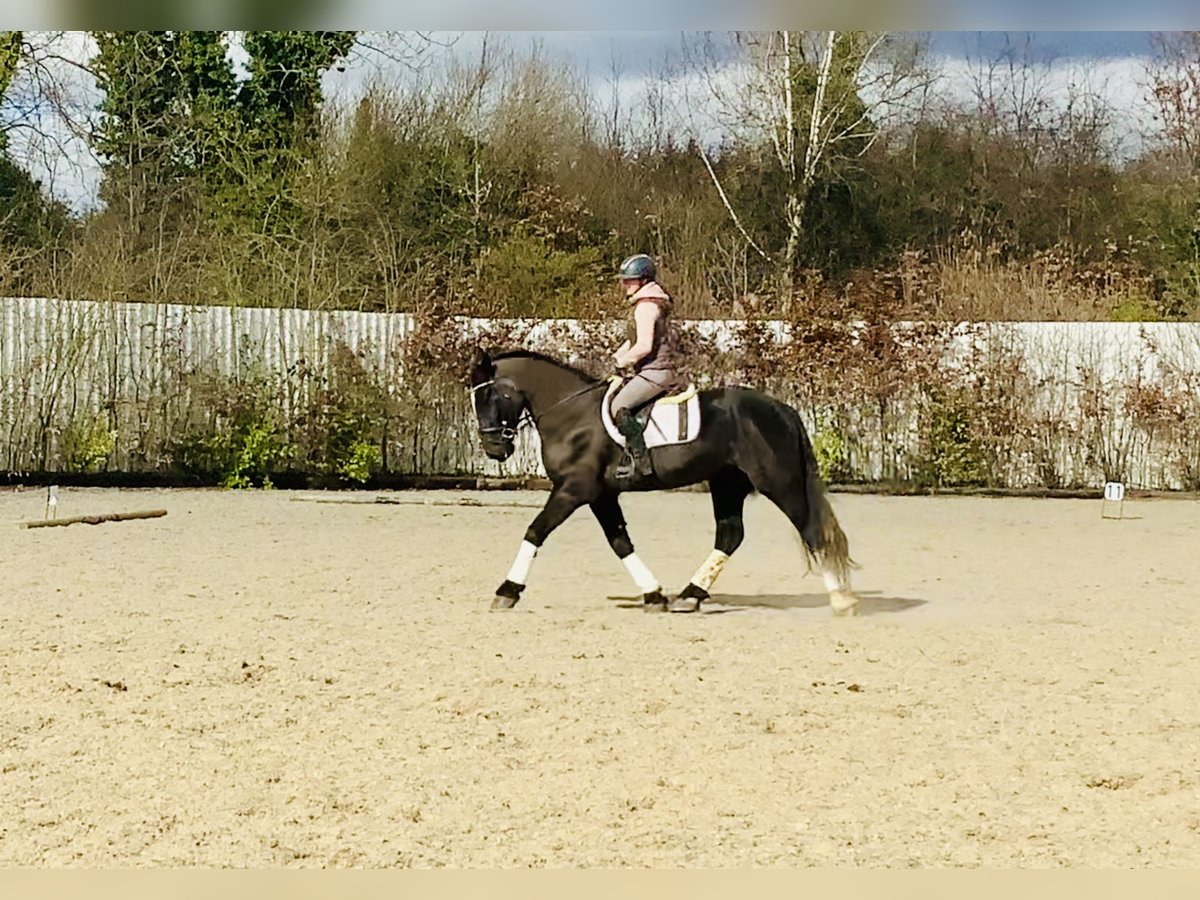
821 532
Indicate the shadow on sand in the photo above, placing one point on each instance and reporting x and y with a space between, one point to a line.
872 604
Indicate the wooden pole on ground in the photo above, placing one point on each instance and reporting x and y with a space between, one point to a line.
96 520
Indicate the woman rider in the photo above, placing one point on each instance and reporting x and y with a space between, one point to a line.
649 352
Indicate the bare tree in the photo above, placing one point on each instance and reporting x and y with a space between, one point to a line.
815 99
1052 115
1011 90
413 50
612 115
1174 87
47 103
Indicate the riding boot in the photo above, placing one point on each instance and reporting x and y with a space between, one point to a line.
637 457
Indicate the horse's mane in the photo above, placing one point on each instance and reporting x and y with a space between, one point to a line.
542 357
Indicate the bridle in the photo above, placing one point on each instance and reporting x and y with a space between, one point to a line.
505 431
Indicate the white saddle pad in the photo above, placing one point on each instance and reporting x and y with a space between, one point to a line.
674 419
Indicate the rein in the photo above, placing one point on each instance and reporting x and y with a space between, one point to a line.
509 432
578 393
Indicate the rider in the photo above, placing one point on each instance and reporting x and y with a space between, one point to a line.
649 352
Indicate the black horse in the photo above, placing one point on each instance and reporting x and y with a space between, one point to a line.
747 442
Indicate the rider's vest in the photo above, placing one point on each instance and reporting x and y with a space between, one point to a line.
662 351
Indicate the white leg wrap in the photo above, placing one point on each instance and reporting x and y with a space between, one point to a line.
708 572
520 567
842 600
642 576
832 582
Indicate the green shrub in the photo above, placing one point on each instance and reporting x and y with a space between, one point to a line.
87 446
1134 309
832 451
361 461
953 456
340 430
234 435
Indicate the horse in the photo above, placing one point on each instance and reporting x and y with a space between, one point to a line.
747 442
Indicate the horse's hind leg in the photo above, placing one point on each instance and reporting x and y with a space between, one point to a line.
608 513
729 489
822 536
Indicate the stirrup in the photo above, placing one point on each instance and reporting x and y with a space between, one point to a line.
631 466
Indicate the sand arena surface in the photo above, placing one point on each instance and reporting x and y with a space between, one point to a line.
255 681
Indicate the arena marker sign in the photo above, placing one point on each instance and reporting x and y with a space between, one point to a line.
1114 492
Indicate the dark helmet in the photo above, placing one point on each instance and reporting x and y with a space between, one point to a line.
640 266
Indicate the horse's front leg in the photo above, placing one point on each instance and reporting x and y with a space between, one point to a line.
564 500
608 513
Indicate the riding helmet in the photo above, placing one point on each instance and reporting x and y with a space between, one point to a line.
639 266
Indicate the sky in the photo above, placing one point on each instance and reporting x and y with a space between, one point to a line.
1112 63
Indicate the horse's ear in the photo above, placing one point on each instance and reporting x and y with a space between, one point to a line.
483 368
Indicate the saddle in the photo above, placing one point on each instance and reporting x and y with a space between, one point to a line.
671 419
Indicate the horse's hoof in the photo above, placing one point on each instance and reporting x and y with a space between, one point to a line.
844 604
689 599
507 595
654 602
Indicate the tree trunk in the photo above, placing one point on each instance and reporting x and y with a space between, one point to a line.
791 255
